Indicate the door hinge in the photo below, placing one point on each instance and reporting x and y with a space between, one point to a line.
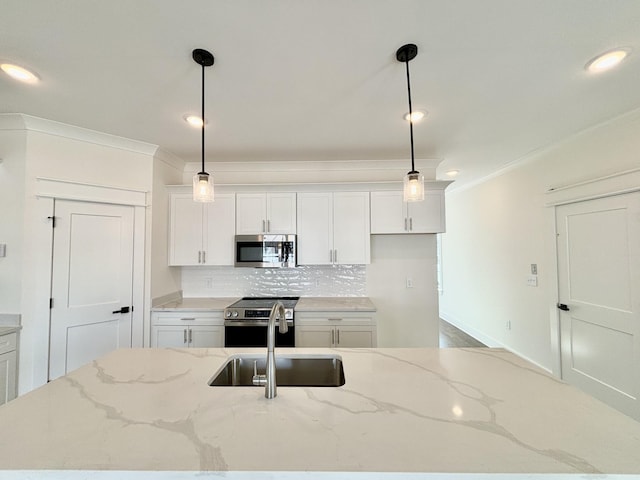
53 221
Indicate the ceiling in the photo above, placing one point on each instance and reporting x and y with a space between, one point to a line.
318 79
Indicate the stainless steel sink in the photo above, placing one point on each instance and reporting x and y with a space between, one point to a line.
291 371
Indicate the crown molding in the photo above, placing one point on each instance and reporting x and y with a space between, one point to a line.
20 121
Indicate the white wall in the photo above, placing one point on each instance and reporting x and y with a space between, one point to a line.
12 196
497 228
52 150
164 280
407 317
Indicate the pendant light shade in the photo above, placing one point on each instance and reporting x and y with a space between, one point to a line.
202 181
413 180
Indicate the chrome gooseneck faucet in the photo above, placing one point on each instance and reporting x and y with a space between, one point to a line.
269 380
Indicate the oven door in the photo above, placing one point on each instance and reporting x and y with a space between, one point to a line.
256 336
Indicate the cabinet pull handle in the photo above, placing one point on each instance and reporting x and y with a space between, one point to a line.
334 319
405 224
204 257
184 335
330 256
188 318
199 256
268 226
264 229
411 224
333 337
338 336
335 256
190 336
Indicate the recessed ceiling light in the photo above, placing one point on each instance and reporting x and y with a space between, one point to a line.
19 73
194 120
415 116
607 60
452 173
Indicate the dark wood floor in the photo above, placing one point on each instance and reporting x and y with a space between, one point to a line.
452 337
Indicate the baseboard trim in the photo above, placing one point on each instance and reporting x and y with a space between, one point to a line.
488 340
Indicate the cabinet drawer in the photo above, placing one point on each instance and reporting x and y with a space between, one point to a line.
187 318
8 342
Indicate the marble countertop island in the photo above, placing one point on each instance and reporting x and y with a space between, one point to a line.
401 410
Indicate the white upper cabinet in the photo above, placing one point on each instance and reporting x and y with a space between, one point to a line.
266 213
201 233
390 214
333 228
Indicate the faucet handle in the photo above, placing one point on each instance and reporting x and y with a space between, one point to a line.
258 380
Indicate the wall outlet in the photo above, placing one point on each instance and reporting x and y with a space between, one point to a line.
532 281
409 282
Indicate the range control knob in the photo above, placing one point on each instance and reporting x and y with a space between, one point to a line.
234 314
227 313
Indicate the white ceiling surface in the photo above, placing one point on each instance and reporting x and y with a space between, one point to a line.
318 79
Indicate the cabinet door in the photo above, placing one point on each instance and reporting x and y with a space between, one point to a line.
314 336
427 216
351 232
220 228
185 230
281 213
251 213
353 336
8 372
315 228
388 212
166 336
206 336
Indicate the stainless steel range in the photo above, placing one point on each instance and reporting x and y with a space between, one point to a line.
245 322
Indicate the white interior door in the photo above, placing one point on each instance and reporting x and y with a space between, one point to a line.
92 280
599 298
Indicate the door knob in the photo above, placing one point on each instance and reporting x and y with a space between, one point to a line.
563 307
122 310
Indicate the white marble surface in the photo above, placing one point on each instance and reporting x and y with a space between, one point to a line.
401 410
10 319
305 304
191 304
5 330
329 304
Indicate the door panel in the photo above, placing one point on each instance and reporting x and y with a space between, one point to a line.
185 230
598 273
351 230
220 219
92 279
315 228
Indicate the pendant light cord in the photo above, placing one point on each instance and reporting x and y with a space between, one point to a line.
413 168
202 171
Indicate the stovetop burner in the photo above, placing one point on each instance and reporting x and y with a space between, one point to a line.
254 310
264 302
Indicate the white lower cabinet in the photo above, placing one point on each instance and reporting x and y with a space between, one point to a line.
8 367
335 329
187 329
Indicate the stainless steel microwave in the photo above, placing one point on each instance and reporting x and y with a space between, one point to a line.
264 251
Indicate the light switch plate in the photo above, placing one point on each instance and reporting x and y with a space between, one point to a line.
532 281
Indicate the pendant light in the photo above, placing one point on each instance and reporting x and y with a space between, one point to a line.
413 180
202 181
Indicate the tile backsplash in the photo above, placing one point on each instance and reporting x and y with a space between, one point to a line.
310 281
